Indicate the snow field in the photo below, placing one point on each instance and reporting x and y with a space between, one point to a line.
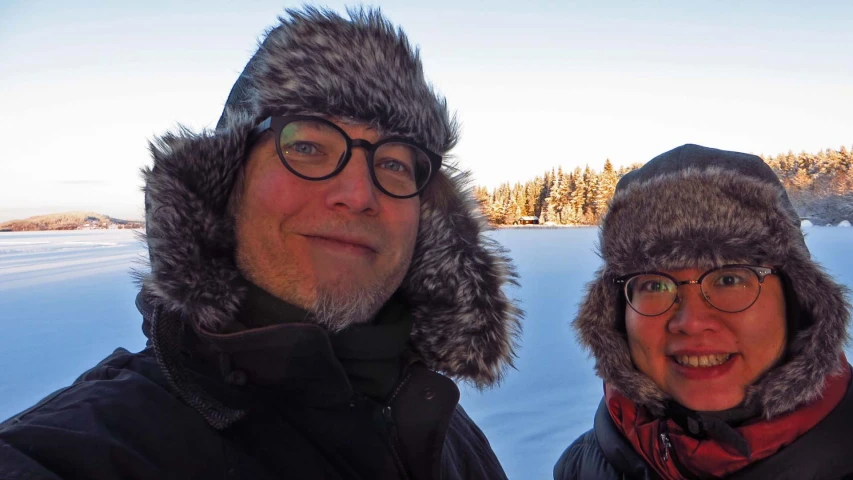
66 302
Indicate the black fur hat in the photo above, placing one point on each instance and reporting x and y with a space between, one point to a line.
698 207
317 62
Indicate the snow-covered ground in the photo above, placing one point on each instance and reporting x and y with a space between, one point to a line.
66 301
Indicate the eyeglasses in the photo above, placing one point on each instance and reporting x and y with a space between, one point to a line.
316 149
730 288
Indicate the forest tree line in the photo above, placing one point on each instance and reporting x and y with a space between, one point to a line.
820 186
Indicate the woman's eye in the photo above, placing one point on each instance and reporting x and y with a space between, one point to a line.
728 281
654 287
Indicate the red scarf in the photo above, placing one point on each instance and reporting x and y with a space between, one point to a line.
706 458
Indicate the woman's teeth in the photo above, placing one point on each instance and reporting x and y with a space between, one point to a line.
702 360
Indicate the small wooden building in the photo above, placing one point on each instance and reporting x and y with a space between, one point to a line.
528 220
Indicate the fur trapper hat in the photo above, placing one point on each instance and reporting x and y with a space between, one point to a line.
697 207
361 68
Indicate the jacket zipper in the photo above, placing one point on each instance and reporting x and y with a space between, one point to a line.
387 412
664 450
665 446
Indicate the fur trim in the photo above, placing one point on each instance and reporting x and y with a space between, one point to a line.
315 61
464 325
702 218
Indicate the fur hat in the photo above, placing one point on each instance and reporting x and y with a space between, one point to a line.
697 207
317 62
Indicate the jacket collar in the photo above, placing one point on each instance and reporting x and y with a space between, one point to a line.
676 449
615 447
295 360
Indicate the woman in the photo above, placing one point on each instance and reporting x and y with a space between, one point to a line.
718 338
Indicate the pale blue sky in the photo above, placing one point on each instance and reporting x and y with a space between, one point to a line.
83 86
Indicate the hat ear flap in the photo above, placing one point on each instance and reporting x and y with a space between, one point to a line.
190 237
464 324
600 326
815 346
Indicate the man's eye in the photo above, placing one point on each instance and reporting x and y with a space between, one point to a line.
394 166
302 148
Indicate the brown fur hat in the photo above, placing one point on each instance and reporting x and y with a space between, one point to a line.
697 207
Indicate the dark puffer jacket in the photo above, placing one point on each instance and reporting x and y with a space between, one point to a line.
823 453
120 420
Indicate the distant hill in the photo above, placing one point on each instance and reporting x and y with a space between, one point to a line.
68 221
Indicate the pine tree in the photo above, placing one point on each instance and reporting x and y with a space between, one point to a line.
552 202
562 196
534 189
578 196
570 215
589 195
606 186
515 204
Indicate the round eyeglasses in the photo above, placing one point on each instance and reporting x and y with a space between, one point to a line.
314 148
730 288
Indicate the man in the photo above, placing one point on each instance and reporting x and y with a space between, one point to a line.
313 266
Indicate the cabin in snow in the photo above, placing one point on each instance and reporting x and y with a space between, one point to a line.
528 220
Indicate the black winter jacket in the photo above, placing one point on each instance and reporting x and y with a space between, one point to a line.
825 452
121 420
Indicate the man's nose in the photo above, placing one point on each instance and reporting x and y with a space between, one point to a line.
693 314
353 187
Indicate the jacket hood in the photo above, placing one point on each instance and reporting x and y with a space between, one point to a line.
318 62
697 207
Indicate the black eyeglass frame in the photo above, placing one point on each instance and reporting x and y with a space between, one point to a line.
277 124
759 271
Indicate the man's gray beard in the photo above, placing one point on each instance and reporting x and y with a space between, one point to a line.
336 311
